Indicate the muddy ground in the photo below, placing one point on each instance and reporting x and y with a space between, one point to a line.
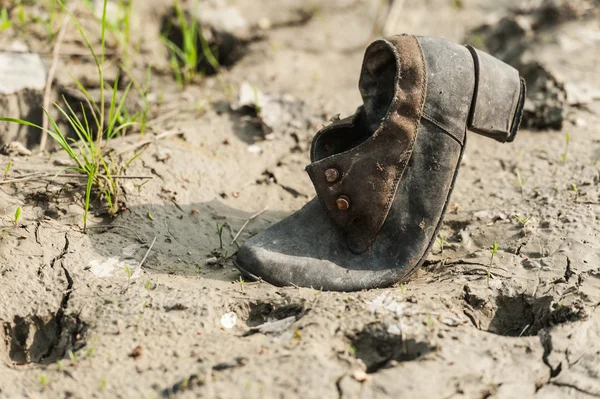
74 324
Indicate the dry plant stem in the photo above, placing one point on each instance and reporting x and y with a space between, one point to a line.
257 214
50 79
54 176
72 53
139 268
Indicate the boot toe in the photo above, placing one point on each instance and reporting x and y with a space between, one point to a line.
292 251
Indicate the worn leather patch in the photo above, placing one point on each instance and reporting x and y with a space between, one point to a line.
357 185
498 87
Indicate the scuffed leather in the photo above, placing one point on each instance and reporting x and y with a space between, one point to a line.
498 99
450 89
392 83
306 249
310 249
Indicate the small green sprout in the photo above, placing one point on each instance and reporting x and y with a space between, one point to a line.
564 154
148 286
17 216
5 22
430 321
257 106
60 366
92 349
575 190
352 350
150 216
519 181
242 282
73 357
522 220
128 271
7 169
102 384
441 241
43 380
297 335
403 290
140 185
21 14
457 4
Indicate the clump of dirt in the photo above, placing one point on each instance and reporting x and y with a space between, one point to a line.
262 312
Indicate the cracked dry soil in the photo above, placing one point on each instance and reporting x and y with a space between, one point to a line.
523 324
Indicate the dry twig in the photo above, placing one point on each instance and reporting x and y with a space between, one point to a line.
50 79
257 214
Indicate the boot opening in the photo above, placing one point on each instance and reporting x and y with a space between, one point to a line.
377 83
377 87
338 139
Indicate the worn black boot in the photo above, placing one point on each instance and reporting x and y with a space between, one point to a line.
384 175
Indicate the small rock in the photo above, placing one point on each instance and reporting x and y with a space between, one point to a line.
229 320
62 162
163 155
451 321
211 261
360 376
223 19
484 214
530 264
254 149
14 148
274 327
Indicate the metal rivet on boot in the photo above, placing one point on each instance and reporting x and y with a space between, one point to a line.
343 203
331 175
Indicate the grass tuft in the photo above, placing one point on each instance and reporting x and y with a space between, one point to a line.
87 152
194 48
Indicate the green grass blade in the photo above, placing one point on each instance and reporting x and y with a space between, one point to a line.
78 127
112 116
110 132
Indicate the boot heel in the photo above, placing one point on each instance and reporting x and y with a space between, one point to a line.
498 98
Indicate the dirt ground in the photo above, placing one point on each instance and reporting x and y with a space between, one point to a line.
184 324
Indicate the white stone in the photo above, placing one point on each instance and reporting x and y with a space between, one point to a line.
229 320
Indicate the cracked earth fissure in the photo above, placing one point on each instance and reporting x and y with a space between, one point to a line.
59 316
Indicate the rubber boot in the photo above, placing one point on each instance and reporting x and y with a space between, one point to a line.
384 175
